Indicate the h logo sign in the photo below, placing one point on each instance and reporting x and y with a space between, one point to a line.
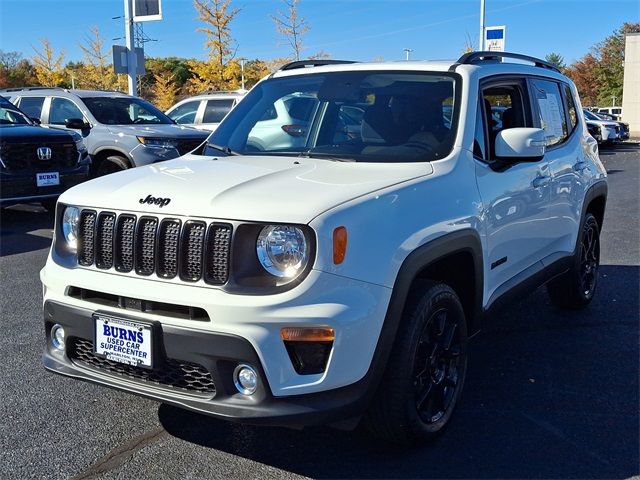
44 153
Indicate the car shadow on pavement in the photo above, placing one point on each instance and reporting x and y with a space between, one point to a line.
25 228
607 150
549 394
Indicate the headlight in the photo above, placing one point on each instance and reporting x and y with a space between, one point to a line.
282 251
158 142
80 145
70 220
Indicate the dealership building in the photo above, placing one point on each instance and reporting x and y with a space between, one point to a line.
631 87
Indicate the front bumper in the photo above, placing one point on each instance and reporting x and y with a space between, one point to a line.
219 354
21 187
354 309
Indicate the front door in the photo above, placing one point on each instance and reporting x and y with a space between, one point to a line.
515 199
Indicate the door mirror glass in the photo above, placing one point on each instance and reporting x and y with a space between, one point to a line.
76 123
520 144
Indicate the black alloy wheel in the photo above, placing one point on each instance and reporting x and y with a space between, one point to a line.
437 365
589 258
426 369
575 288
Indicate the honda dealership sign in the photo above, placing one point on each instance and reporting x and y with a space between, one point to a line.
146 10
494 38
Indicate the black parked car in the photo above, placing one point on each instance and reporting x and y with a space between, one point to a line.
37 163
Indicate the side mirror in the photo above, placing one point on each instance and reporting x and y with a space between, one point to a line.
76 123
520 145
35 120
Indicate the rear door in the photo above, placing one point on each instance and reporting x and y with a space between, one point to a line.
515 199
556 113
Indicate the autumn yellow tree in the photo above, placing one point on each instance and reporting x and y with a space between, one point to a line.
219 71
164 90
48 67
96 71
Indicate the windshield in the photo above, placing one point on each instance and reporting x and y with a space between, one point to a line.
9 116
354 116
591 116
124 111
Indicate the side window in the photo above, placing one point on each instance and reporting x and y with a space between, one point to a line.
479 146
551 115
216 110
61 110
32 106
185 113
505 107
571 108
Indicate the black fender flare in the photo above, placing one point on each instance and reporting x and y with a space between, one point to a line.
465 240
598 189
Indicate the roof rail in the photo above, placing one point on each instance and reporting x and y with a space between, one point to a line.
20 89
312 63
475 57
210 92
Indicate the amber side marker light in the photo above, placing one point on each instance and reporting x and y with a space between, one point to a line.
339 245
308 348
308 334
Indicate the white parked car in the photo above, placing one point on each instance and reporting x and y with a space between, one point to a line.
337 279
604 131
205 111
615 111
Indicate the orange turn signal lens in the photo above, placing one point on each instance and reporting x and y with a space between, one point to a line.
339 245
308 334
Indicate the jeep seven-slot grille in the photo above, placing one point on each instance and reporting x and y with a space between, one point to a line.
168 247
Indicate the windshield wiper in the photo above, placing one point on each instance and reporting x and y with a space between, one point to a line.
223 149
328 156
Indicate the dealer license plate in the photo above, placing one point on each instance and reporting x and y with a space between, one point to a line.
123 341
47 179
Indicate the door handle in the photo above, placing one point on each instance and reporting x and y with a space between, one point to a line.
581 166
541 182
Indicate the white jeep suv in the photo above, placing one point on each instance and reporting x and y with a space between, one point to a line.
335 280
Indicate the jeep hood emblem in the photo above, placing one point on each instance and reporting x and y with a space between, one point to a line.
151 200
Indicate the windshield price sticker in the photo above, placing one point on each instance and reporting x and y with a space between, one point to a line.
123 341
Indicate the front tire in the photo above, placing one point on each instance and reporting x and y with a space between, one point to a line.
426 370
111 164
574 289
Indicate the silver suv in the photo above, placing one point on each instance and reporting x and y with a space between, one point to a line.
120 131
206 111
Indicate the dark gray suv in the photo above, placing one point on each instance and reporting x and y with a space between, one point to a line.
120 131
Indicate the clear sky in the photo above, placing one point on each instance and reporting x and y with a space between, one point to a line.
346 29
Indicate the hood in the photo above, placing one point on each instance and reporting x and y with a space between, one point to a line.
34 133
162 131
269 189
605 123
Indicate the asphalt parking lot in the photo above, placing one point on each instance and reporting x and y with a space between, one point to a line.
548 394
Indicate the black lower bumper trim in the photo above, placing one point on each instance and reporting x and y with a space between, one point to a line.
219 354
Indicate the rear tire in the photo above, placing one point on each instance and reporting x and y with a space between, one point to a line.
111 164
426 370
574 289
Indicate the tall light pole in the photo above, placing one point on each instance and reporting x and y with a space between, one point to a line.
242 70
481 42
407 52
131 53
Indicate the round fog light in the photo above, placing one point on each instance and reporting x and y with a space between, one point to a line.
245 379
57 337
